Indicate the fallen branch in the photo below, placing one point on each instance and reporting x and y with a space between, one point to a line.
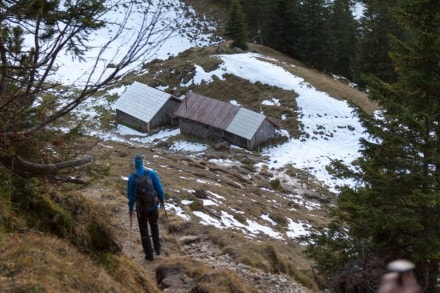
16 163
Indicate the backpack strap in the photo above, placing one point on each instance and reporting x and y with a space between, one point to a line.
146 172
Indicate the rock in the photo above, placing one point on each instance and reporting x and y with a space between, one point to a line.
186 240
222 146
200 193
174 277
204 248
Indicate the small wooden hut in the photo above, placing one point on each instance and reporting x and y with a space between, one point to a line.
145 108
206 117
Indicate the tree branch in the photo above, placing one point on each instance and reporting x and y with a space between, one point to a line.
37 169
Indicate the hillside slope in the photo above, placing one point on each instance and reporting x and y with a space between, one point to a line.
233 224
265 264
264 209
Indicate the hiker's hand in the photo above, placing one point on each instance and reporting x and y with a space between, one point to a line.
162 203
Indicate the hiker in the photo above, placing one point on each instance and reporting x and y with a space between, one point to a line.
145 188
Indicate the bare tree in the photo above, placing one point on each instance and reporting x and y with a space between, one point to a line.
34 35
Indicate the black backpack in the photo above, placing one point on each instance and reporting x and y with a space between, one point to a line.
144 193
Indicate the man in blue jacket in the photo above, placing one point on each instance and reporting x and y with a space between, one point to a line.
149 215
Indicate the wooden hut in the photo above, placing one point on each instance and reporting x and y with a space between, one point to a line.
144 108
205 117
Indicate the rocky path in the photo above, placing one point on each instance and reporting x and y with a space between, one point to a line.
265 282
196 248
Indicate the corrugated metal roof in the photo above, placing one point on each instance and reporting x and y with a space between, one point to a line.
208 111
245 123
219 114
142 101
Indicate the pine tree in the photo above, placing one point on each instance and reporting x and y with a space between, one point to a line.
394 213
315 42
236 26
343 27
256 12
282 26
373 47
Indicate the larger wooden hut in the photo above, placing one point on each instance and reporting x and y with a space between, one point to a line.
206 117
144 108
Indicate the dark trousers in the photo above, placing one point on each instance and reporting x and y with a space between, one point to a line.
145 218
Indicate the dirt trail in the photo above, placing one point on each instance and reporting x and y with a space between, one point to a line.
128 237
203 251
109 192
132 247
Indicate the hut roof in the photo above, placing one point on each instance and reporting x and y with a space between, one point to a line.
208 111
142 101
219 114
245 123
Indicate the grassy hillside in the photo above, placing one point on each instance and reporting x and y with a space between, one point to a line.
53 239
61 237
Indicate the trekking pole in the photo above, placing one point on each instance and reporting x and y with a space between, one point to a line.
131 226
169 226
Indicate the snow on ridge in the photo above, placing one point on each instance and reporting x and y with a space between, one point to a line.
332 131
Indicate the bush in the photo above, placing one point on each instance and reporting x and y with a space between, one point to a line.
196 205
275 184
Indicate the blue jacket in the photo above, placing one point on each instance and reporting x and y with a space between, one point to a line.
154 179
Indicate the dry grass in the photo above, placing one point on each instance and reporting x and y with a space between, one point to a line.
34 262
208 280
224 281
82 259
270 256
9 220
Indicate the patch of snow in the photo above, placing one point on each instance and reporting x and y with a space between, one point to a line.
186 202
209 202
271 102
186 146
297 229
178 211
267 218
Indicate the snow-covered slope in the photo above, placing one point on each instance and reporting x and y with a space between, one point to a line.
331 129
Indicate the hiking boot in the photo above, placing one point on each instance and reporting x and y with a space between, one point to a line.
149 257
158 251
